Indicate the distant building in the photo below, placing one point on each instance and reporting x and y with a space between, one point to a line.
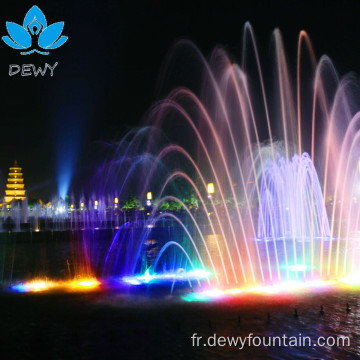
15 187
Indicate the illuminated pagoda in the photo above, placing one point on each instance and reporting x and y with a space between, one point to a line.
15 187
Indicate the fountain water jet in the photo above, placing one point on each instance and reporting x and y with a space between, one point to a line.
284 214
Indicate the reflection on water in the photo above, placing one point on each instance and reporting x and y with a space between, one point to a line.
32 255
53 255
114 325
149 323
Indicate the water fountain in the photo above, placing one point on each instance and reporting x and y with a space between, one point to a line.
284 164
282 161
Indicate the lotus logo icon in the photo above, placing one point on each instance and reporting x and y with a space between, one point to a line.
34 34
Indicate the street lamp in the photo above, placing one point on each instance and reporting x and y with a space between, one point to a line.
210 189
148 198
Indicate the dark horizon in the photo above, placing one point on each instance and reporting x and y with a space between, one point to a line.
107 73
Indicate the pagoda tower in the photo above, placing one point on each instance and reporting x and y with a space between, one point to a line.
15 187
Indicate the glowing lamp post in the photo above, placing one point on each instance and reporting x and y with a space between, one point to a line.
116 202
210 189
96 204
148 198
82 206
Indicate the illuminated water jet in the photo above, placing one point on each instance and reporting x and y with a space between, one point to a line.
278 210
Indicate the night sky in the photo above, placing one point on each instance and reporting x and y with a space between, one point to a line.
107 72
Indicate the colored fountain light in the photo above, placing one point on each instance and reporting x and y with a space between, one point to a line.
297 268
351 280
90 283
147 278
291 287
40 285
34 286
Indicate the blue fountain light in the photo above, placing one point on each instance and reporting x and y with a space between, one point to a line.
147 277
